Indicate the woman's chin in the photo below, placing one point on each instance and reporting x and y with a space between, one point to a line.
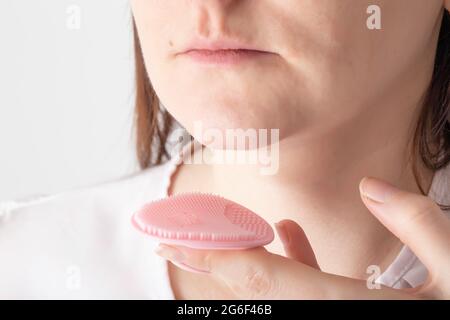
233 135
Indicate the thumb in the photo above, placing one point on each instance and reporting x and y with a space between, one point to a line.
247 272
415 219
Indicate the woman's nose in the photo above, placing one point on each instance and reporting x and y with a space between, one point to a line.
212 15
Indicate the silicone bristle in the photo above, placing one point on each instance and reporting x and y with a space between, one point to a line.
204 221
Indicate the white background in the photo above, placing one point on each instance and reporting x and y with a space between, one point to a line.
66 95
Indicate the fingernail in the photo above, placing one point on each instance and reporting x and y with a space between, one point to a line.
376 190
170 253
282 232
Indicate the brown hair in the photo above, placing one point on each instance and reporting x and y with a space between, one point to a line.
153 123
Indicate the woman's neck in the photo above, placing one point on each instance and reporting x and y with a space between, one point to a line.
316 185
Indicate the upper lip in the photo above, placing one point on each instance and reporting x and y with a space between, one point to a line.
218 45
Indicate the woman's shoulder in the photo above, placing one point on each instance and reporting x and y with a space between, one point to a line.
147 184
49 242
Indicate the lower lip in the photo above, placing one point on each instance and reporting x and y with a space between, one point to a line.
224 57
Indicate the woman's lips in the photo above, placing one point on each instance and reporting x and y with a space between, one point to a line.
224 56
223 50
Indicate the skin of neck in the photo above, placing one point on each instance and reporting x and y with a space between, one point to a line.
319 170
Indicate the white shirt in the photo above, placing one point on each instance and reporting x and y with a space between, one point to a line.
80 244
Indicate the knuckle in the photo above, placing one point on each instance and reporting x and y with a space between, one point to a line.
258 281
254 274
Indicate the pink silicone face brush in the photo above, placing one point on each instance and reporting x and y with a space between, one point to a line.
203 221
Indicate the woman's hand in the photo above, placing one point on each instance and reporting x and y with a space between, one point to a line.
258 274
